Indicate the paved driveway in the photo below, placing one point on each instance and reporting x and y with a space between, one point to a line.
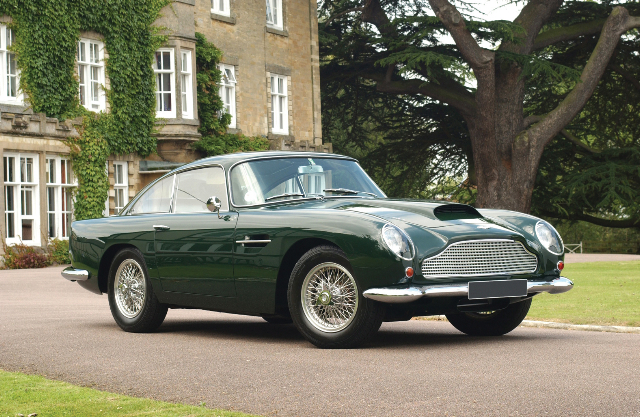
52 327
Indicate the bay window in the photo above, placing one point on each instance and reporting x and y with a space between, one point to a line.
186 75
22 213
60 184
163 67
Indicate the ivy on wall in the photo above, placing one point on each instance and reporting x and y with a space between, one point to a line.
47 32
213 124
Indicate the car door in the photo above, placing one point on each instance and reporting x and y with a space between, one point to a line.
194 247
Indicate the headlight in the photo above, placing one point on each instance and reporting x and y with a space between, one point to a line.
397 241
549 238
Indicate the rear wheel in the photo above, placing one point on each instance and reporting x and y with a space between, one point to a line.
495 323
133 304
325 301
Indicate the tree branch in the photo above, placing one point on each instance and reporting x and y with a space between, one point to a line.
616 24
577 141
626 75
619 224
476 56
532 17
463 102
552 36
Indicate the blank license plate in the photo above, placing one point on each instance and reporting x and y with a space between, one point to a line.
497 289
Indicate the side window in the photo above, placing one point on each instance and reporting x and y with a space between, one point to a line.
195 187
156 199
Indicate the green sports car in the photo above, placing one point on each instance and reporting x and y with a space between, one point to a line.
310 238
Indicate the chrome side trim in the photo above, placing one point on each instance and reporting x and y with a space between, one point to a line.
252 241
73 274
413 293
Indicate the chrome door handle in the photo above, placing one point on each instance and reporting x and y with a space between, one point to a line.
160 227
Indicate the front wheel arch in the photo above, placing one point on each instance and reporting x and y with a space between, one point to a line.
289 260
105 265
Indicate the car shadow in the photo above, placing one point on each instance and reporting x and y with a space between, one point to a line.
387 337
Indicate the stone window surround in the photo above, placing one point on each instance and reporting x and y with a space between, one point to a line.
226 12
95 36
234 85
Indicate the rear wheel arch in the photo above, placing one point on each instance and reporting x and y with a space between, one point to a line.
289 260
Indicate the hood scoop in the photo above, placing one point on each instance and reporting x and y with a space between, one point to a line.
448 212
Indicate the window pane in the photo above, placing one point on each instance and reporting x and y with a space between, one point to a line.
10 225
269 12
167 102
51 199
52 225
166 82
64 174
166 60
195 187
157 199
158 60
27 229
27 201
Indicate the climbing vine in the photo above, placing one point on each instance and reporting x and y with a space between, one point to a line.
213 124
47 32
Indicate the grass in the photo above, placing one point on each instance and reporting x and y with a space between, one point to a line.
27 394
605 293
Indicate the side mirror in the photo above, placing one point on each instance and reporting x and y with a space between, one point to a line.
214 204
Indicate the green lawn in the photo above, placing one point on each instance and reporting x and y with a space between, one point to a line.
604 293
27 394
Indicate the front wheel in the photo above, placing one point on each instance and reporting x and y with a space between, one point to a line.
133 304
326 303
496 323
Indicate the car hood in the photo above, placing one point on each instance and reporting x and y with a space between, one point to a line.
449 221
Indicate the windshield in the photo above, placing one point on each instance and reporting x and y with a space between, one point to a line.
270 180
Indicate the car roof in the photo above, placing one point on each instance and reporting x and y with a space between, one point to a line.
230 159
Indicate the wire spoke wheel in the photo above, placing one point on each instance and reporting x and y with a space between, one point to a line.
329 297
130 288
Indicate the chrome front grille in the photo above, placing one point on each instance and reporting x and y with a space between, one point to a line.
481 258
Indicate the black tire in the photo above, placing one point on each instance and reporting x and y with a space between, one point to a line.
496 323
277 319
152 313
362 324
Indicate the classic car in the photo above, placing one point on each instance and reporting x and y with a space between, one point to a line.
309 238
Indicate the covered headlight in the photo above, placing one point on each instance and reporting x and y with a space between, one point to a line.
549 238
397 241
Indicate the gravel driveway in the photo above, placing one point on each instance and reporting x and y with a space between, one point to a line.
54 328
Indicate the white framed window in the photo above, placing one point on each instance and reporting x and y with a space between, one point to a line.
228 91
279 105
186 83
220 7
120 185
165 84
274 13
22 212
90 56
60 185
9 74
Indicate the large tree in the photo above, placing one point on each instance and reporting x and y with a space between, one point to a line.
400 49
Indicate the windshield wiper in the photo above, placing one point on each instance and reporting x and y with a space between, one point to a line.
347 191
284 195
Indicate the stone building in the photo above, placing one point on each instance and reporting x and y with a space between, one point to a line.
270 87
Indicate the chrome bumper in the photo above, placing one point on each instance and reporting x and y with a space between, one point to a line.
73 274
407 295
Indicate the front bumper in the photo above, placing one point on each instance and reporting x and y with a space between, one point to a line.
413 293
73 274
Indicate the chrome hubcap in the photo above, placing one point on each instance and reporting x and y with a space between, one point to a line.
130 288
329 297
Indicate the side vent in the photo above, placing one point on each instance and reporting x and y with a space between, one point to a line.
456 212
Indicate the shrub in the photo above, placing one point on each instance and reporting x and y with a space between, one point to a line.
58 251
21 256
